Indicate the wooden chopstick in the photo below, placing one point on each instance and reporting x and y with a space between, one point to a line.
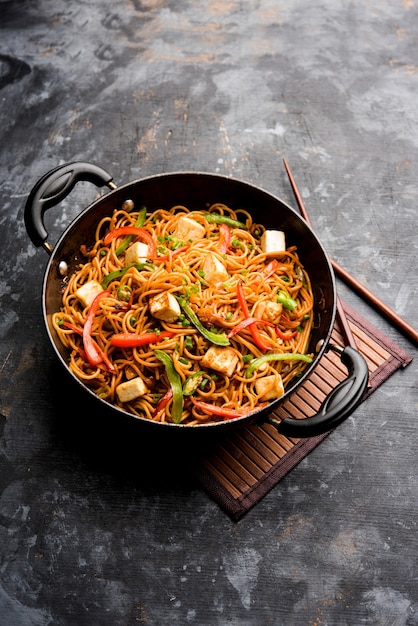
345 327
363 291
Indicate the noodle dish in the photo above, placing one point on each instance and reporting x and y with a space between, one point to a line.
186 316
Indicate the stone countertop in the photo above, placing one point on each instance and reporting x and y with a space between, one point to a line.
97 525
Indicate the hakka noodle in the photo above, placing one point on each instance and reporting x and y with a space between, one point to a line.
186 316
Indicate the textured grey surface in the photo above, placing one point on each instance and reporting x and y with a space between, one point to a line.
96 527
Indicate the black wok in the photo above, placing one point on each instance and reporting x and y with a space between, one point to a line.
196 190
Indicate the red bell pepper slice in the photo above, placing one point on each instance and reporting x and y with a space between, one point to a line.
247 322
270 268
162 403
94 353
212 409
103 354
253 327
281 335
140 233
287 323
224 239
131 340
241 300
93 356
76 330
105 359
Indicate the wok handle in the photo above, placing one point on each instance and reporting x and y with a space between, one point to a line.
53 187
338 405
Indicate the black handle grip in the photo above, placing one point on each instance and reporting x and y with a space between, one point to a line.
53 187
338 405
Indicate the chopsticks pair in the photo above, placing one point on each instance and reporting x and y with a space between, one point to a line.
365 293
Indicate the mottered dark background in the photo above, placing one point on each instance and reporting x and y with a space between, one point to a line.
99 525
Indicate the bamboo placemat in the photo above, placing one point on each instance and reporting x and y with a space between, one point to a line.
242 466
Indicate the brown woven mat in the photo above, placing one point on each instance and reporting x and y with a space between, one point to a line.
243 465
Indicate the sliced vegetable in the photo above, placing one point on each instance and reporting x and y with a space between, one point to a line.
139 233
131 340
142 215
119 273
213 409
162 403
287 323
247 322
105 359
288 335
175 252
219 339
224 238
175 384
215 218
124 293
192 383
94 353
70 326
270 268
276 356
288 303
253 327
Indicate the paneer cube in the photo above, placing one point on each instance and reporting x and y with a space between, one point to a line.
273 242
87 292
188 229
164 306
136 253
131 389
223 360
269 311
269 387
214 271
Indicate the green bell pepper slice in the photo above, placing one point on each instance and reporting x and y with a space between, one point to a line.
175 384
215 218
276 356
288 303
119 273
219 339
